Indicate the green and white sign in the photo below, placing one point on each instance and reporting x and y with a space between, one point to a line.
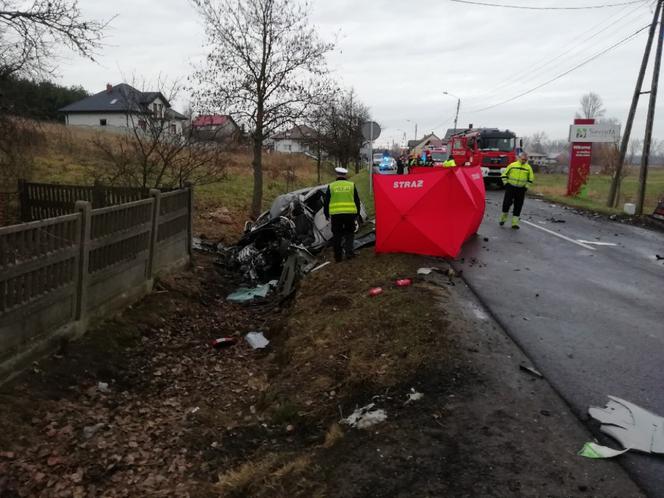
597 133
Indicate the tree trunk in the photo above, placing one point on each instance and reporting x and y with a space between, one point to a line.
257 163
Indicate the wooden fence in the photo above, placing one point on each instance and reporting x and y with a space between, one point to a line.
48 200
59 273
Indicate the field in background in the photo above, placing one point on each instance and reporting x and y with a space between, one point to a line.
554 186
67 155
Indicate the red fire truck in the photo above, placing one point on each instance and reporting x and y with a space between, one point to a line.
489 148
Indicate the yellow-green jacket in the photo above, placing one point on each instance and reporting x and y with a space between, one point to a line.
450 163
341 198
518 175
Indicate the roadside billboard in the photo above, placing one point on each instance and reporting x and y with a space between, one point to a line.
594 133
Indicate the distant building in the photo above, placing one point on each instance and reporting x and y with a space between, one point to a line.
428 141
297 140
216 128
123 107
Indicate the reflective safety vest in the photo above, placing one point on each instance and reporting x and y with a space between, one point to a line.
450 163
518 175
342 197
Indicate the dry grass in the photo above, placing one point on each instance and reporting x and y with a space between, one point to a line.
263 476
340 340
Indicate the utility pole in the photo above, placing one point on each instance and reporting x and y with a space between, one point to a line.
647 141
456 117
614 192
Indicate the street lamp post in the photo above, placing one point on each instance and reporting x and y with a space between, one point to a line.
456 118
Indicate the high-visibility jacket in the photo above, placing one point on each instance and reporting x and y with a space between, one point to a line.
342 197
518 175
450 163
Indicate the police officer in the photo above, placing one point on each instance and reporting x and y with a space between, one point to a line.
342 204
517 177
400 165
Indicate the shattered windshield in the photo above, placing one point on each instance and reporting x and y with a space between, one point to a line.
497 144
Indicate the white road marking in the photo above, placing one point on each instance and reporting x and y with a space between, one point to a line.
556 234
607 244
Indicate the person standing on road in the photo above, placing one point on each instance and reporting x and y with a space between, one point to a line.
400 166
342 205
517 177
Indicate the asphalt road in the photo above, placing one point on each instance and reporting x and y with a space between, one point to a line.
585 300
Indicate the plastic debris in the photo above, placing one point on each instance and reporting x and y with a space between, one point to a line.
531 371
376 291
594 450
223 342
414 396
404 282
257 340
320 267
425 271
365 417
102 387
245 295
635 428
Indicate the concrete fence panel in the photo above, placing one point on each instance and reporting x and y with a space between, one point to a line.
59 274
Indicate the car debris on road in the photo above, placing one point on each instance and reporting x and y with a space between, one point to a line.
635 428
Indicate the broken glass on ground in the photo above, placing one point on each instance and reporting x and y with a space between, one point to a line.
635 428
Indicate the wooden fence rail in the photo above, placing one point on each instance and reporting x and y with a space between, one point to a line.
47 200
59 273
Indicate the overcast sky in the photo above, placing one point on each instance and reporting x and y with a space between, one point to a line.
401 56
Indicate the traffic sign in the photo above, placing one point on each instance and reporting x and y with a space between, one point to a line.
370 130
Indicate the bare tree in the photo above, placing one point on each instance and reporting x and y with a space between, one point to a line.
154 152
265 65
635 147
592 106
31 33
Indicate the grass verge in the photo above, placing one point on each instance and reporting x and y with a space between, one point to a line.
554 186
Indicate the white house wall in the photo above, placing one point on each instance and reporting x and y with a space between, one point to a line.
289 146
94 119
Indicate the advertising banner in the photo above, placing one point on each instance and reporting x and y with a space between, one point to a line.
580 158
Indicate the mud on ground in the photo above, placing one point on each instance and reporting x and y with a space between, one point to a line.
179 418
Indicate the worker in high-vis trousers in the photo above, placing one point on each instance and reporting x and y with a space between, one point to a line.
342 205
517 177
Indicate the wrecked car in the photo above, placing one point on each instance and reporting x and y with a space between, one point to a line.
305 208
278 247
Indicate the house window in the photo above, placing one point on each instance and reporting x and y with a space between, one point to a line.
161 110
174 129
142 124
102 122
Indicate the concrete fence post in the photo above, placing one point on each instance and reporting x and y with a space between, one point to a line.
82 272
190 221
156 209
24 201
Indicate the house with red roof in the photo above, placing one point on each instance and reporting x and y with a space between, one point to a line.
216 128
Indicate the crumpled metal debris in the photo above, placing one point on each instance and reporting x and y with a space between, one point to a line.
365 417
632 426
281 243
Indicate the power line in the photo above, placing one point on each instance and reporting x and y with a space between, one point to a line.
586 7
577 46
587 61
